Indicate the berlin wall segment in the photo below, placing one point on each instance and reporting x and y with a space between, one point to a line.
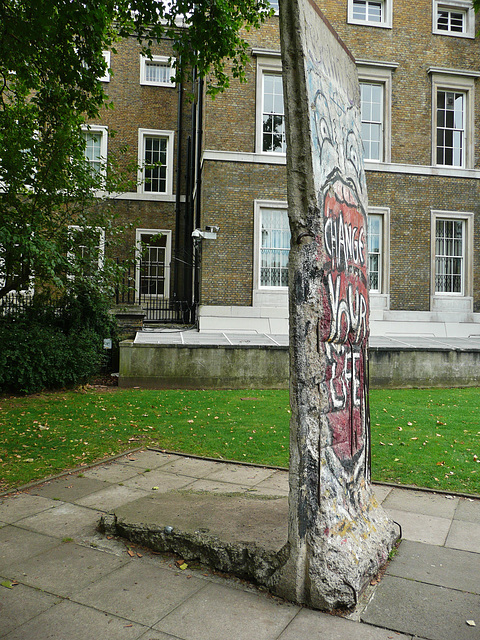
339 536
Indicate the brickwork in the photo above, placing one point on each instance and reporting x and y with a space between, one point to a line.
229 192
229 189
411 200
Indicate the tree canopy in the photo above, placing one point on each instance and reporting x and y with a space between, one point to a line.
51 59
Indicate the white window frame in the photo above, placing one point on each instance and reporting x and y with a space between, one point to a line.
454 80
274 4
155 133
103 131
458 6
387 15
381 298
106 75
101 245
266 65
168 259
380 73
441 300
163 60
265 296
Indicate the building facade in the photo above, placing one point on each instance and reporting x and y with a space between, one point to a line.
420 125
222 171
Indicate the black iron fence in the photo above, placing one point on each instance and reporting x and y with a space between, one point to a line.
146 285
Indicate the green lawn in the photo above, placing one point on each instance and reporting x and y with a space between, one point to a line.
430 438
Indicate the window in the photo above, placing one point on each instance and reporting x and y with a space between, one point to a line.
270 107
378 239
455 18
157 72
376 13
273 128
449 255
375 242
155 161
274 247
106 75
451 128
376 97
452 121
274 5
153 266
372 120
96 148
86 249
452 259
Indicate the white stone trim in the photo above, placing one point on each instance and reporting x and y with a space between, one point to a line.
106 75
210 155
386 23
462 81
465 6
381 74
265 296
168 257
381 299
159 133
164 60
265 64
453 301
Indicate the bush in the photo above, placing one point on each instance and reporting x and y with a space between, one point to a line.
48 347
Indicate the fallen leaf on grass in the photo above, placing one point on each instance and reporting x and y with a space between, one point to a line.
130 553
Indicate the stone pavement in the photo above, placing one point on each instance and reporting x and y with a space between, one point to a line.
60 579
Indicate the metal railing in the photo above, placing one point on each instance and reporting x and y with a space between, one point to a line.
145 285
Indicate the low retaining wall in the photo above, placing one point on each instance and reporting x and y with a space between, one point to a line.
159 366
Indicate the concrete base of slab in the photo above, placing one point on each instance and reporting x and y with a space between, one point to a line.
245 536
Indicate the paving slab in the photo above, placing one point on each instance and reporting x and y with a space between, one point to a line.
217 613
192 467
116 472
430 504
233 520
68 488
110 498
423 610
437 565
158 480
18 543
21 604
140 591
313 625
71 621
212 486
239 474
158 635
469 510
22 505
381 492
65 569
65 520
464 535
420 527
277 480
150 459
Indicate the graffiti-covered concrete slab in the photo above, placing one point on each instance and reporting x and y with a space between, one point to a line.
338 535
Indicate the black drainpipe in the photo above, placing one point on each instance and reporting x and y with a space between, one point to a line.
176 274
198 256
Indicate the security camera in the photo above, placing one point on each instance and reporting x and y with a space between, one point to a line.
197 233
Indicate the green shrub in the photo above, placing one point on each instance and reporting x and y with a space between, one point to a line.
50 347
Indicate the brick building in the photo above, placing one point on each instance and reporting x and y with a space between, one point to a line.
225 168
